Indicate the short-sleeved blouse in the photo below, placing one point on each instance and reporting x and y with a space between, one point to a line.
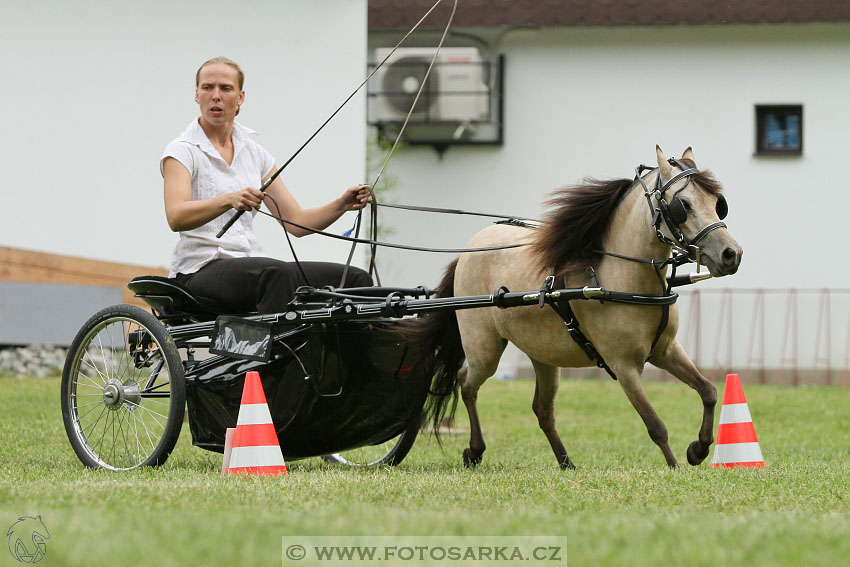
212 176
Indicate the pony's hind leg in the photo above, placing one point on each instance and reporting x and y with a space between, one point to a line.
483 348
469 385
545 389
675 361
629 379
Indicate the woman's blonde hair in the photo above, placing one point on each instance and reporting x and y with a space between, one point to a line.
225 61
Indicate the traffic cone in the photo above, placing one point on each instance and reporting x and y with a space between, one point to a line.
737 445
256 450
228 449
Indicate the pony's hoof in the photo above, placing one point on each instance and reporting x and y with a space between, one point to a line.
567 464
470 460
696 457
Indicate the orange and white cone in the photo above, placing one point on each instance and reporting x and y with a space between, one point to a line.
256 450
737 445
228 449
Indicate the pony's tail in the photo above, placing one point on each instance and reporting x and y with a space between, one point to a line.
438 337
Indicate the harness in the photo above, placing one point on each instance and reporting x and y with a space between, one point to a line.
563 309
673 212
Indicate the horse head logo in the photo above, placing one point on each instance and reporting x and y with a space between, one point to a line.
28 539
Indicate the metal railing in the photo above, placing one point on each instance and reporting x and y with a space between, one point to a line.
790 336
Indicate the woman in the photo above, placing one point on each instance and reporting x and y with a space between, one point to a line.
214 168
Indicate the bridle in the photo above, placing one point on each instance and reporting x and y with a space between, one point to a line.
673 211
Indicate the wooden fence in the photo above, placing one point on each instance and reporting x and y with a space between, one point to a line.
17 265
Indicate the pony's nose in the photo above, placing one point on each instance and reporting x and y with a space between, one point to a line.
731 257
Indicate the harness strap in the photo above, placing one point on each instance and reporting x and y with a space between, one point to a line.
665 309
662 211
688 171
665 319
701 234
563 309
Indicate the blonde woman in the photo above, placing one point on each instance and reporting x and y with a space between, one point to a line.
215 167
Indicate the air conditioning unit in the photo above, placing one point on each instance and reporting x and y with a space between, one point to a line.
456 90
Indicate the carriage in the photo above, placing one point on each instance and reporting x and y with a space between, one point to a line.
341 382
332 386
347 380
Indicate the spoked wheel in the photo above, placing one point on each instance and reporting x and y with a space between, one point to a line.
390 452
123 395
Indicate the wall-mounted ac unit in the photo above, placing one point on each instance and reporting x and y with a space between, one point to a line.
456 90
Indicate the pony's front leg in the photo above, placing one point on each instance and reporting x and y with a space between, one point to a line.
629 379
675 361
545 390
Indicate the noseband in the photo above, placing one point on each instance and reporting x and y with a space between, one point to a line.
673 211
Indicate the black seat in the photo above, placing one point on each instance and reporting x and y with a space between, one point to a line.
171 300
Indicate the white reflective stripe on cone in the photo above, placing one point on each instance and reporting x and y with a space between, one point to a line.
734 453
264 456
254 414
735 413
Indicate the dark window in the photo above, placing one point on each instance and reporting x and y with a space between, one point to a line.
779 129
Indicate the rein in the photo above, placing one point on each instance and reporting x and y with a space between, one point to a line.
510 219
277 173
373 210
371 242
559 299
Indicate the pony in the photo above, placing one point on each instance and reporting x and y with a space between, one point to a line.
614 228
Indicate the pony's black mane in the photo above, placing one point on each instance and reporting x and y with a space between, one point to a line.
571 234
572 230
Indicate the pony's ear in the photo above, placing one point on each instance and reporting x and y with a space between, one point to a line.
689 154
663 165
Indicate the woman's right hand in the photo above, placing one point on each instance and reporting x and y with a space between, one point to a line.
247 199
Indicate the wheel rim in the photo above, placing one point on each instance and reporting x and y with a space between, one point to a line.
371 455
120 394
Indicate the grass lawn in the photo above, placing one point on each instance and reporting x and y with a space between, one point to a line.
621 507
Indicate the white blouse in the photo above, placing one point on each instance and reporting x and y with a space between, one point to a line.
211 176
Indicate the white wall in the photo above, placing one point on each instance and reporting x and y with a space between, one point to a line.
94 90
595 101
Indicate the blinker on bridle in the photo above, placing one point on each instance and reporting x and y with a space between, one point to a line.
674 213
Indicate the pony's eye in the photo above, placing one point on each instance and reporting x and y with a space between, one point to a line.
687 205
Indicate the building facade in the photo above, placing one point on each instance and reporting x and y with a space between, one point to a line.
589 89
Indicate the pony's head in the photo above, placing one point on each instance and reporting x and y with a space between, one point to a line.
693 205
685 207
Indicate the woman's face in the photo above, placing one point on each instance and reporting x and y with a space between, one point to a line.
218 93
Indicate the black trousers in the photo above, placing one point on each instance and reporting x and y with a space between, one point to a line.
264 285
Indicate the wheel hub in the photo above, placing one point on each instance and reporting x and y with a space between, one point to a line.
117 394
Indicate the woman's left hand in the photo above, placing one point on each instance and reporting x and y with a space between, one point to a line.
357 197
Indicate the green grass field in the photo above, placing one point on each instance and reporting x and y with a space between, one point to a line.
621 507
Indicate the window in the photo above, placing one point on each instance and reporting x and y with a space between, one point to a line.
779 130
